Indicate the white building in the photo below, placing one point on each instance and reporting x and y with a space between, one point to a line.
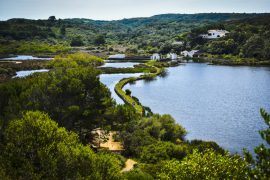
184 53
117 56
214 34
189 53
155 56
172 56
178 43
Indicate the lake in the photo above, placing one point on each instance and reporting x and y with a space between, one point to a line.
25 57
28 72
216 103
119 65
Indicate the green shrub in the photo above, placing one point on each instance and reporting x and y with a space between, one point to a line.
36 148
75 60
159 151
208 165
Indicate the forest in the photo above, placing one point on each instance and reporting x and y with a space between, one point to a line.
47 120
137 35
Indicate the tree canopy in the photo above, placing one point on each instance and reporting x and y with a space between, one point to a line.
208 165
261 162
36 148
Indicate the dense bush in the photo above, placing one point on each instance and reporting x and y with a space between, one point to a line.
202 146
33 47
159 151
76 41
148 131
74 97
36 148
208 165
137 174
163 128
261 162
75 60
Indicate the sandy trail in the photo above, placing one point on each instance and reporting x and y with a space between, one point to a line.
129 165
111 144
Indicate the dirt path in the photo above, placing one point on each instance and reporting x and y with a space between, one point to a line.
111 144
129 165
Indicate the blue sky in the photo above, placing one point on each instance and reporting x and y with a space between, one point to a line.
119 9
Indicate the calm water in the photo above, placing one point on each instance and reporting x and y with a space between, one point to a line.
110 80
120 65
217 103
28 72
25 57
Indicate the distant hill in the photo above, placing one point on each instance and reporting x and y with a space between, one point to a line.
249 38
139 32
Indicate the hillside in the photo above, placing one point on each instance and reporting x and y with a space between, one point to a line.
248 39
135 33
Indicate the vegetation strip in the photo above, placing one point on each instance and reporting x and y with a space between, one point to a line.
128 99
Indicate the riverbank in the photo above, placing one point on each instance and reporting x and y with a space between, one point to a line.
140 68
230 60
159 69
246 62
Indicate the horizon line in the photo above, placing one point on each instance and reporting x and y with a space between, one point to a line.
138 16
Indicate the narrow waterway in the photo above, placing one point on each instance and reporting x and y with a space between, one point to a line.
110 80
119 65
24 58
25 73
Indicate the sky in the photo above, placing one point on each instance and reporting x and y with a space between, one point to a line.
119 9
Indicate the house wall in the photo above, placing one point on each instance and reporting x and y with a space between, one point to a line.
155 57
214 34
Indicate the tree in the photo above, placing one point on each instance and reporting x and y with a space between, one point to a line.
221 47
267 50
51 18
74 97
163 127
108 167
99 40
63 30
128 92
165 48
159 151
254 47
147 131
76 41
134 141
261 163
36 148
121 115
75 60
203 146
132 50
208 165
137 174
